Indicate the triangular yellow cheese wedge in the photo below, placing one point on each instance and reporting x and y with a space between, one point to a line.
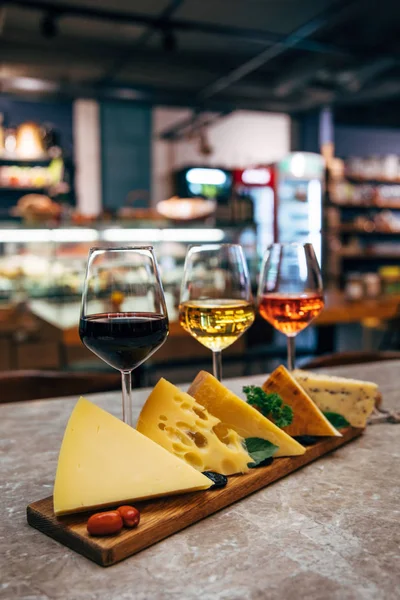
307 418
104 462
177 422
240 416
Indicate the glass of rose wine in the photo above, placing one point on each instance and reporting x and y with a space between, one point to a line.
216 305
290 290
123 316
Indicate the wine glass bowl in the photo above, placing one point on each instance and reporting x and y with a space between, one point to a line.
290 291
123 316
216 305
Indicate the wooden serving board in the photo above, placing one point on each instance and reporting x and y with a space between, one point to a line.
163 517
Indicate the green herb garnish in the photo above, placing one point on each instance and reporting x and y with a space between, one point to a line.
270 405
336 420
259 450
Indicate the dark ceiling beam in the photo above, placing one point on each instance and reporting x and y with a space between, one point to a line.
146 36
353 80
297 76
384 90
292 40
41 88
193 123
251 35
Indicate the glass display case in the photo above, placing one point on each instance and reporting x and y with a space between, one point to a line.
49 263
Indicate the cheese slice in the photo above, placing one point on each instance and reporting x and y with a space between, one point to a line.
177 422
104 462
307 418
353 399
240 416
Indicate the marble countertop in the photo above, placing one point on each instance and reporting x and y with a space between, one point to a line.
328 531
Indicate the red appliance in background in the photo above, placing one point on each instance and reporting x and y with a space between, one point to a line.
257 186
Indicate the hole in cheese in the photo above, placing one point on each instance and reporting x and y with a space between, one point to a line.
183 425
200 413
163 418
222 433
177 435
188 433
179 448
161 426
199 439
194 460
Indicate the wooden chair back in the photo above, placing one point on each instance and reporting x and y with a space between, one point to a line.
16 386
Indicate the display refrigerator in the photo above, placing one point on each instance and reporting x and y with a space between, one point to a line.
287 199
299 192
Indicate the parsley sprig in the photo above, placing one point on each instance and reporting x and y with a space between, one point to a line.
270 405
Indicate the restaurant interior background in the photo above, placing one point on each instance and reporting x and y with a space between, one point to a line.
184 121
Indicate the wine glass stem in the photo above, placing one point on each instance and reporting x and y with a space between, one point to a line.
291 351
127 397
217 364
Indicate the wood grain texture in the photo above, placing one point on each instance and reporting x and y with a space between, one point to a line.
166 516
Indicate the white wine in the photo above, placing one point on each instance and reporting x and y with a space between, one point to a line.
216 323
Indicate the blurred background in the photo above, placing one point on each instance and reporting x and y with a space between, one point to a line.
175 122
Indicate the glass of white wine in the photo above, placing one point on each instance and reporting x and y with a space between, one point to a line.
216 305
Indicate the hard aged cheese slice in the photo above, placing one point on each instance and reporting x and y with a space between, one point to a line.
240 416
177 422
103 461
307 418
352 399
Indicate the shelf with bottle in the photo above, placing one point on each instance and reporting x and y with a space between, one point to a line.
362 248
14 161
354 230
373 169
31 178
23 188
369 255
366 206
342 194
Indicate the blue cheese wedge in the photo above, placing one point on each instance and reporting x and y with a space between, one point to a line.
351 398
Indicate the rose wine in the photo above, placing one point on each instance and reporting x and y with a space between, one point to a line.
216 323
290 313
124 340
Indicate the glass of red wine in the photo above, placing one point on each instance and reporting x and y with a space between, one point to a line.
124 316
290 290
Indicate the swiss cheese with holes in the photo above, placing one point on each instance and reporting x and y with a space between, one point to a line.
240 416
181 425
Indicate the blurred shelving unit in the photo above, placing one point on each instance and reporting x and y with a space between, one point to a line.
362 218
19 177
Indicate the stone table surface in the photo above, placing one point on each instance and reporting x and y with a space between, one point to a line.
328 531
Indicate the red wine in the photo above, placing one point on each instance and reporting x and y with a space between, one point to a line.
124 340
